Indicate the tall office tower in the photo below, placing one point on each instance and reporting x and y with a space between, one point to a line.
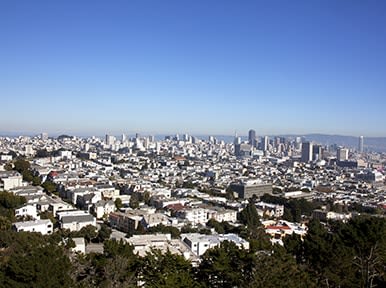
252 138
317 152
342 154
44 136
151 138
306 152
185 138
237 140
123 139
110 139
211 139
360 144
265 143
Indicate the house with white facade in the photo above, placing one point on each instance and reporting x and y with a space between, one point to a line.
75 220
27 210
103 208
221 214
144 243
194 215
10 179
43 226
199 243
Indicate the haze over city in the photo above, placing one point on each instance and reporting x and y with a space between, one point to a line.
207 67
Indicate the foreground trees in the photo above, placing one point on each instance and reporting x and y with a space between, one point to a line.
342 255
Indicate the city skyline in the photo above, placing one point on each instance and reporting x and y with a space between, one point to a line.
195 67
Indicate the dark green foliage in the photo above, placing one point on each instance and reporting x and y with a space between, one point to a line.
118 203
8 203
88 232
345 255
134 201
21 165
175 233
166 270
249 217
24 168
49 186
31 260
103 233
293 208
279 269
226 266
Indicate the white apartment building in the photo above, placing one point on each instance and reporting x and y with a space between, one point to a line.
27 210
221 215
10 179
194 215
199 243
44 226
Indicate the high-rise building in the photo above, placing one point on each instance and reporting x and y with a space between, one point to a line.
360 144
264 143
110 140
317 152
123 138
44 136
306 152
252 138
342 154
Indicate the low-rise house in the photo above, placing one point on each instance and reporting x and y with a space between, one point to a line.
87 201
75 220
194 215
145 243
103 208
270 210
107 190
280 229
43 226
124 222
55 207
221 214
199 243
80 245
27 210
10 179
152 220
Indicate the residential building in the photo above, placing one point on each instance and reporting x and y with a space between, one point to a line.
200 243
10 180
43 226
28 210
246 190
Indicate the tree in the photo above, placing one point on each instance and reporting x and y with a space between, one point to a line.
49 186
118 203
160 270
103 233
31 260
21 165
249 217
366 237
217 268
88 232
134 202
279 269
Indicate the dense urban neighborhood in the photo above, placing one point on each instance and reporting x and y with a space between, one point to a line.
188 212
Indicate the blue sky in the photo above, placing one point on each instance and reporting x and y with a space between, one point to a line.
199 67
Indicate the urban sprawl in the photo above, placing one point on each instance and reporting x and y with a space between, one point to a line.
134 185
